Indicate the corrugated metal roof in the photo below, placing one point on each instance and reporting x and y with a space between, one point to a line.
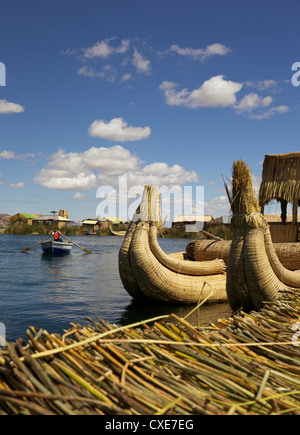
50 218
180 219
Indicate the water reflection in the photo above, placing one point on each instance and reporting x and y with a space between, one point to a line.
51 292
140 310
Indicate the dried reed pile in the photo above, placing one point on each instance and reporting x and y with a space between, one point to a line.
247 364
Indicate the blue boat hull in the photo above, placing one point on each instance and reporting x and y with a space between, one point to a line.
56 248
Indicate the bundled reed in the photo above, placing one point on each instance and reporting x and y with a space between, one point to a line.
207 250
245 365
254 273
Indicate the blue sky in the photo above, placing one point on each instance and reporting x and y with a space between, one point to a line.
167 93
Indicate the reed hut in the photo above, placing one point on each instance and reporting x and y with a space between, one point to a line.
281 182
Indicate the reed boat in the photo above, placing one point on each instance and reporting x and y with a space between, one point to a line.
255 274
147 271
56 248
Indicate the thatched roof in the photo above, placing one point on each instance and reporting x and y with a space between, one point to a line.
280 178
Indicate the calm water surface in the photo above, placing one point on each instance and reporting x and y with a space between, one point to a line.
51 292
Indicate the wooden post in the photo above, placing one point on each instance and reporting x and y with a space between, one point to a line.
295 212
295 218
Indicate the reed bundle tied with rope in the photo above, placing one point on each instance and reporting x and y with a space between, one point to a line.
207 250
254 272
248 364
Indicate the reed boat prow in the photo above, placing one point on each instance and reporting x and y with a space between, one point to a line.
147 271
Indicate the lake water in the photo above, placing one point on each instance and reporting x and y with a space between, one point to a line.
51 292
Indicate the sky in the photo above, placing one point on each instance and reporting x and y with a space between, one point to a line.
167 93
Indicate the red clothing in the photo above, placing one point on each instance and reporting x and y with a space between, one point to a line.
57 235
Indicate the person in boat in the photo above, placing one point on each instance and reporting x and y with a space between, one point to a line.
57 235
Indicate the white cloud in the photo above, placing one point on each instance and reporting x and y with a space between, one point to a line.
270 112
200 53
6 107
10 155
142 65
218 206
258 108
117 130
262 85
7 155
215 92
78 196
126 77
218 92
253 101
108 72
160 174
97 167
17 186
89 72
103 49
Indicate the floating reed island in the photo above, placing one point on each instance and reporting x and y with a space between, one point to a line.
246 365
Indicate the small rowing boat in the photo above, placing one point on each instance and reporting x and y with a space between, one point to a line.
56 248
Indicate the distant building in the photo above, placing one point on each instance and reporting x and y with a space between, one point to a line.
282 232
223 220
4 222
49 221
117 223
91 225
63 214
23 218
181 222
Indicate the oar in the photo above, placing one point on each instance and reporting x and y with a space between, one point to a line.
27 249
83 249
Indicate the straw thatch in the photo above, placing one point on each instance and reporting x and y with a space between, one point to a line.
146 270
280 178
254 273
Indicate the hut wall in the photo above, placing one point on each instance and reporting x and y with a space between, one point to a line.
284 233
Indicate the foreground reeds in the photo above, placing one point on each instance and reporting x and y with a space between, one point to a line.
248 364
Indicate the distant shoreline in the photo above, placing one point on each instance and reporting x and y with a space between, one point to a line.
221 231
